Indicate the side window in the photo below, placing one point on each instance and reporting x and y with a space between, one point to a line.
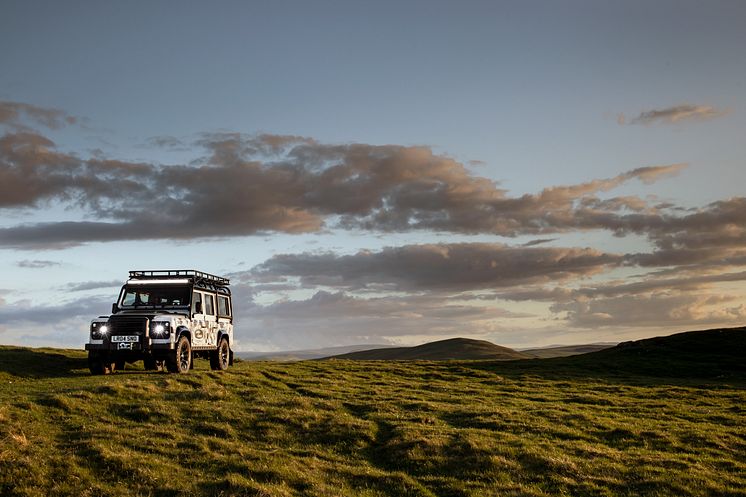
223 307
196 297
209 305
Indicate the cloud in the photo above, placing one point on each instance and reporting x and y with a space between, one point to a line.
657 309
276 183
675 115
484 273
238 185
538 241
33 171
337 318
14 114
441 267
92 285
714 234
37 264
649 285
62 325
167 142
49 315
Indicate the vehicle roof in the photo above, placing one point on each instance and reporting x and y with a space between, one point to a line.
198 279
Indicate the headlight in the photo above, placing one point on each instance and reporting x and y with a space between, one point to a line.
160 329
98 330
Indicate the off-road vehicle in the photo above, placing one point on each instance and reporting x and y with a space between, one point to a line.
165 318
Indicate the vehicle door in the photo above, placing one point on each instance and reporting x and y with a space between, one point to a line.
224 317
198 319
211 321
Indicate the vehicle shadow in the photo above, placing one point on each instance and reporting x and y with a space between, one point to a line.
42 363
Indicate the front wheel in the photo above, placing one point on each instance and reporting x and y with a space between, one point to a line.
180 360
220 358
99 364
153 364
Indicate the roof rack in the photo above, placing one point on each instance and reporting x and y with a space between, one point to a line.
195 276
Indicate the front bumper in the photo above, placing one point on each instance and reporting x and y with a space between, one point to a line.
144 346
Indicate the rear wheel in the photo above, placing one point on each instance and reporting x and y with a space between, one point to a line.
180 360
120 364
220 358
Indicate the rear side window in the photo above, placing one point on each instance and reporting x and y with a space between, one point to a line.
209 305
223 307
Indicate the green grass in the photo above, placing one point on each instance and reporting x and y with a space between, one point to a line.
329 428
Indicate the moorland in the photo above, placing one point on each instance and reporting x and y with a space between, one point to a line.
655 417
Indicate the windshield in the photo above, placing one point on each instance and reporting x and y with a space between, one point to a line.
171 296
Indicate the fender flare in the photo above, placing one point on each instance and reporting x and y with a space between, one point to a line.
183 330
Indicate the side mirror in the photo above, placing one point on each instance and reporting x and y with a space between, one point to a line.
114 308
198 308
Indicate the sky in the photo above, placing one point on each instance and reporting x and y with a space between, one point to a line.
529 173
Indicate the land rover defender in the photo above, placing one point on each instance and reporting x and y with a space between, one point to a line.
165 318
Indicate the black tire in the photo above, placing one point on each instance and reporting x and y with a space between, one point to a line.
150 363
119 364
221 357
180 360
99 365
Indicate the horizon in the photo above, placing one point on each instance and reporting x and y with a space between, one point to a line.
528 174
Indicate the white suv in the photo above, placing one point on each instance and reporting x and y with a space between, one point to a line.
165 318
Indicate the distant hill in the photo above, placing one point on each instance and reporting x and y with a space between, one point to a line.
303 355
566 350
706 353
442 350
714 354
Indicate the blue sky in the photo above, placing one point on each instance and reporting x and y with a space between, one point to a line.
529 95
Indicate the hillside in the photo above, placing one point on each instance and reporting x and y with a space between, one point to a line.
707 353
451 349
590 425
713 354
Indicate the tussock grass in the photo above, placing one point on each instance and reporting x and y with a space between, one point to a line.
530 428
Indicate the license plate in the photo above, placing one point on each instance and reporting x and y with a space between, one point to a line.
124 346
125 338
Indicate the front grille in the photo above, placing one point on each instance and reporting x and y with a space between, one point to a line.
128 325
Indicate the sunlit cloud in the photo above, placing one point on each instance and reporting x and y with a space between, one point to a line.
16 115
246 185
674 115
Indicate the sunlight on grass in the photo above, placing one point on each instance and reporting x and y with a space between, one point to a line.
370 429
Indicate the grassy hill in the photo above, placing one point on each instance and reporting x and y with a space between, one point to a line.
451 349
719 353
628 421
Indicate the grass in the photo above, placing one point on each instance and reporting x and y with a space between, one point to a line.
329 428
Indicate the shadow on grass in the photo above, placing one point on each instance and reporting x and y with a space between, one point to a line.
42 363
659 371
